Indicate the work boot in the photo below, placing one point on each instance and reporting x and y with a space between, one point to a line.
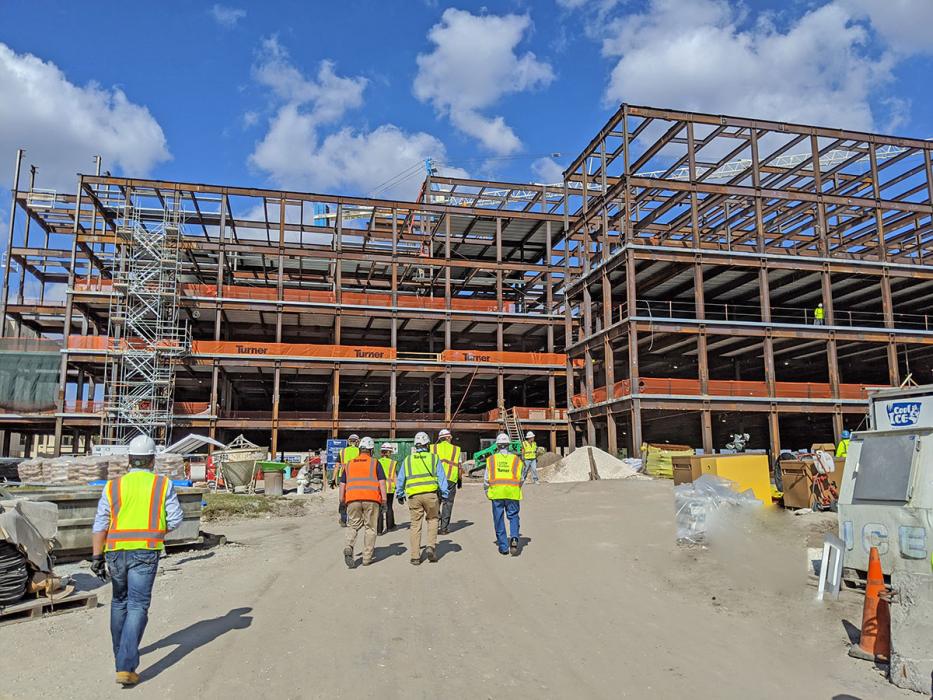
503 551
348 556
367 563
513 546
443 531
415 562
432 555
127 678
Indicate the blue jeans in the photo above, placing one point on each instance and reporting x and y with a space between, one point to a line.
501 508
532 465
132 573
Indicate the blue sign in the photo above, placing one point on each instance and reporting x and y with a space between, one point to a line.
333 451
903 413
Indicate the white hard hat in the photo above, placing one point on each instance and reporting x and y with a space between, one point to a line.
142 446
422 439
353 437
387 446
367 443
529 434
443 433
503 439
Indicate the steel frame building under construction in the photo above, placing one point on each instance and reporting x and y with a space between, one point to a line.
665 291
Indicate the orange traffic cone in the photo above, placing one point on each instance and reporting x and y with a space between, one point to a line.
875 641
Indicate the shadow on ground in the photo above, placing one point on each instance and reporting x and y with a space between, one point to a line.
193 637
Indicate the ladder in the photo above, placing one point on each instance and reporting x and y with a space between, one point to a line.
513 426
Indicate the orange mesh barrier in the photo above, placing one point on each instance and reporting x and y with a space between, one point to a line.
95 284
725 387
532 414
73 406
88 342
190 408
509 358
211 347
353 298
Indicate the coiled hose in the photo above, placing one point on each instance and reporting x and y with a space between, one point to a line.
13 574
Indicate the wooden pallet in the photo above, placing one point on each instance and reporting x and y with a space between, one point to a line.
36 608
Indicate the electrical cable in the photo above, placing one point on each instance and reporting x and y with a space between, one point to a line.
13 574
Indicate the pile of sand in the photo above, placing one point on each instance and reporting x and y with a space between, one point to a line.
576 467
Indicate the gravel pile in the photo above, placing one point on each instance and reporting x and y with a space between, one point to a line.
576 467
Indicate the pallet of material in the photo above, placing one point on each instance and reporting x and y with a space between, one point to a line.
35 608
659 458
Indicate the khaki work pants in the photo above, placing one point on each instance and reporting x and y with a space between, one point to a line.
423 506
363 515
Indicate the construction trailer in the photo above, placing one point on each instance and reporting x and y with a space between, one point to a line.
290 317
665 291
707 243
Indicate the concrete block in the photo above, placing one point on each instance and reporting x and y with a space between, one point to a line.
911 631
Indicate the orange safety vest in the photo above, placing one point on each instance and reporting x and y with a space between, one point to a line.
362 480
137 511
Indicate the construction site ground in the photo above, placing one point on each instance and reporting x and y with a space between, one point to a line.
601 603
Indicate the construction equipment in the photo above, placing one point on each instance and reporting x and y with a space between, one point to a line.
886 494
825 494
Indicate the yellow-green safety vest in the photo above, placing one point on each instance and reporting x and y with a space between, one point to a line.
389 466
529 450
137 511
504 476
348 453
450 458
818 313
421 473
843 449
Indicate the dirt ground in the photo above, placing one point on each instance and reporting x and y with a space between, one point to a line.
601 603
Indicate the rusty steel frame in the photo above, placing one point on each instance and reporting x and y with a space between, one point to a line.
714 194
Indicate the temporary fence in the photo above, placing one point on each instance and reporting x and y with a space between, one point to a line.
252 349
725 387
504 358
378 299
28 374
531 414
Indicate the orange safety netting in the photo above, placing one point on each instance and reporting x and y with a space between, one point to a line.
89 342
94 284
725 387
506 358
190 408
381 299
222 347
529 413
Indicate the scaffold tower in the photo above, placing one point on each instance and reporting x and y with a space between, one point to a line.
146 332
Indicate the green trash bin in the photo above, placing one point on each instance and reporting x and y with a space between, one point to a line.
273 477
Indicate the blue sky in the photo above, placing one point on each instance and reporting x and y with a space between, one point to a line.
342 97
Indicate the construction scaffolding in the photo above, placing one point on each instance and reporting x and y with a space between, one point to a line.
147 336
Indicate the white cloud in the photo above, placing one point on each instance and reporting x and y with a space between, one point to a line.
697 56
227 17
62 126
546 171
472 66
297 153
906 25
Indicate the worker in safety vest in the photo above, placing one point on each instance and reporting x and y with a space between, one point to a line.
420 479
530 455
351 451
363 493
818 314
503 480
133 515
390 468
450 456
842 449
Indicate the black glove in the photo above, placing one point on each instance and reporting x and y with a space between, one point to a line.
459 482
401 499
99 566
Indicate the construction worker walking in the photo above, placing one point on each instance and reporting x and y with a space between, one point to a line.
842 449
134 514
818 314
363 493
390 468
530 455
503 482
351 451
420 479
450 456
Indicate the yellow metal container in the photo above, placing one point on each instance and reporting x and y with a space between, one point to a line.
747 471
